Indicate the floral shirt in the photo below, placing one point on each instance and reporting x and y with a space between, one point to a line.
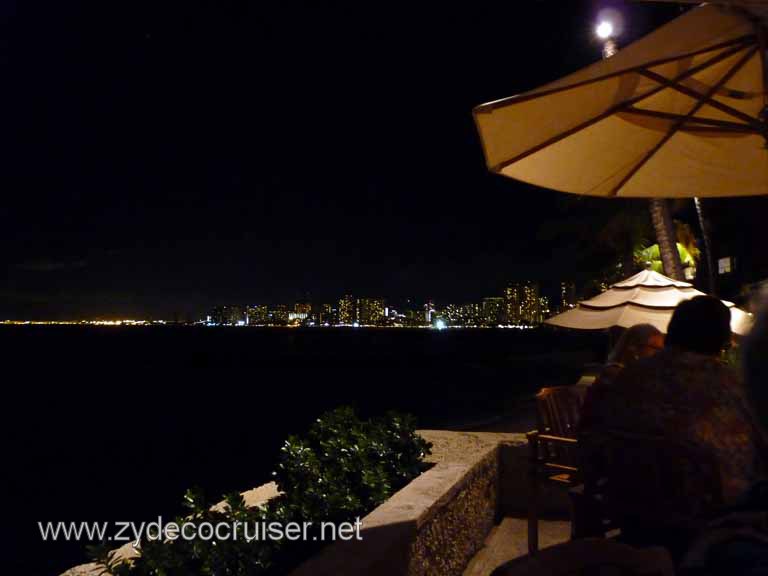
696 399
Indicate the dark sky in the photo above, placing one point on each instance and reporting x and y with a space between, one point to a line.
167 156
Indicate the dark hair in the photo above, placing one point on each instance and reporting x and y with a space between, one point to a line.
633 339
701 324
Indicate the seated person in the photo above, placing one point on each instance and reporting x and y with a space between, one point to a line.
639 341
686 393
737 541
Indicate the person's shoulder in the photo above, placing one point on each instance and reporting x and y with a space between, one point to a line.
644 371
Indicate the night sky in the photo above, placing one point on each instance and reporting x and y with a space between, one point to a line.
163 157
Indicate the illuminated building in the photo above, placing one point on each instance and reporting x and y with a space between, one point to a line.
303 308
347 310
513 298
544 311
370 311
523 304
327 315
493 310
414 318
530 306
463 314
567 296
429 309
278 314
228 316
257 315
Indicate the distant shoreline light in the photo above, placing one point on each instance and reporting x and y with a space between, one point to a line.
272 326
122 322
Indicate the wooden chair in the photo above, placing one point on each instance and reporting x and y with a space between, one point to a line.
590 557
553 448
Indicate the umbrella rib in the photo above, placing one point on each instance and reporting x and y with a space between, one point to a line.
674 84
628 303
708 122
619 107
488 107
703 99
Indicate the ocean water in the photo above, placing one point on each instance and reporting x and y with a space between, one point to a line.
115 423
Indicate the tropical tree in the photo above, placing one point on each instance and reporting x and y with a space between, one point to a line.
707 237
661 217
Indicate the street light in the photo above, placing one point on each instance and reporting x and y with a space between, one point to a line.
604 30
610 24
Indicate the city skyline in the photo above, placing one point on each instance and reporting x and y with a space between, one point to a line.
521 304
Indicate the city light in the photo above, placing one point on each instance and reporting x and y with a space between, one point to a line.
440 325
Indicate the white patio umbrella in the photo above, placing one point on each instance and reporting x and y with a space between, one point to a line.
677 114
645 298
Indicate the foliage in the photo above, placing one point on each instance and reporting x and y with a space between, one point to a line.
652 255
686 246
345 467
341 470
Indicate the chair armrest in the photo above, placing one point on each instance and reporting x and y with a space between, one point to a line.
533 445
557 439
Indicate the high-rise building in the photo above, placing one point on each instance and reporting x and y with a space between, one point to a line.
544 311
278 314
513 298
327 315
228 316
567 296
370 311
347 310
257 315
523 304
493 310
303 308
429 309
530 306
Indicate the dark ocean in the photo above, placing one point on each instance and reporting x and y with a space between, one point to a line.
115 423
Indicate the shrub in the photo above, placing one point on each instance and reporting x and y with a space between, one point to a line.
340 471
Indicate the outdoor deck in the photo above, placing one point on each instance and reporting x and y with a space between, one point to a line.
508 540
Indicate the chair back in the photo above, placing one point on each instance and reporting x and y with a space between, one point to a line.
558 410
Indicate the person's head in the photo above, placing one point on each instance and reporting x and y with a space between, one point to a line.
639 341
702 325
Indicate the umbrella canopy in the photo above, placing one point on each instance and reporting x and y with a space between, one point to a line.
676 114
645 298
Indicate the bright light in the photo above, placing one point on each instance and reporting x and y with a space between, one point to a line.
440 324
604 30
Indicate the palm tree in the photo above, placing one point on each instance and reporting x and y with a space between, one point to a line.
705 234
661 218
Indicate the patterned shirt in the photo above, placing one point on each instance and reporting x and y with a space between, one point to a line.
695 399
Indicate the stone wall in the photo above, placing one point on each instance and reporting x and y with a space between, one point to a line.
437 523
448 539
